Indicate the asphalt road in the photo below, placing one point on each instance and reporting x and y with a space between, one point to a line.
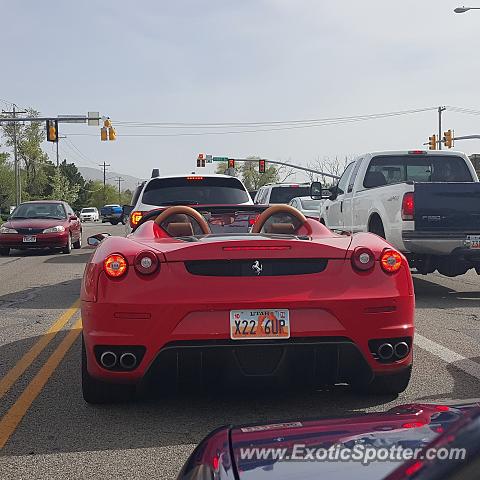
47 431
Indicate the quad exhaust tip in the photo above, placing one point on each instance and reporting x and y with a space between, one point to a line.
128 361
385 351
108 359
401 349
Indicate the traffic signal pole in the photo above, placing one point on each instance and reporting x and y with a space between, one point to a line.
440 111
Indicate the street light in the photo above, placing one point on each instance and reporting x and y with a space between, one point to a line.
465 9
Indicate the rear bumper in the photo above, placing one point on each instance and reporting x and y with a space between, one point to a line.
439 243
43 240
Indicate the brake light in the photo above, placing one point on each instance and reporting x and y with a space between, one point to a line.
255 248
115 265
135 218
391 261
252 220
146 262
408 206
442 408
414 425
417 152
194 178
363 259
413 469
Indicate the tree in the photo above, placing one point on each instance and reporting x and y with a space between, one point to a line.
98 196
7 183
327 165
62 189
253 179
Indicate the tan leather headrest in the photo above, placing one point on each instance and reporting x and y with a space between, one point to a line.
281 228
180 229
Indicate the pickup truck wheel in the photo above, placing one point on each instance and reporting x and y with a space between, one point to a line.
391 384
98 392
376 226
114 222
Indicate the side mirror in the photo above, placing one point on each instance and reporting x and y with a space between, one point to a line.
127 210
73 217
316 190
94 240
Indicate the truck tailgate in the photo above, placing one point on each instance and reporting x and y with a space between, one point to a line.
447 206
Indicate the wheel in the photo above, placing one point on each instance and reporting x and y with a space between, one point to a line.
114 222
5 251
68 248
391 384
376 226
96 392
78 243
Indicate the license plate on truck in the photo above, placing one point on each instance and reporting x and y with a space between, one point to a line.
29 239
473 242
259 324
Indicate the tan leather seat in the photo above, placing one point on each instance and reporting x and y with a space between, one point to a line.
281 228
180 229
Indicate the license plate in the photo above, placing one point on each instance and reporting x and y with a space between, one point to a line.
257 324
29 239
473 241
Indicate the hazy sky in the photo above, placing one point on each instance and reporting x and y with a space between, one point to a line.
241 61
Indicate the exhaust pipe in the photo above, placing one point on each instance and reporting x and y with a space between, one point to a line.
401 349
385 351
128 361
108 359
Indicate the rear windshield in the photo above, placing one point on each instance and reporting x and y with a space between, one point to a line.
417 168
199 190
285 194
87 210
311 204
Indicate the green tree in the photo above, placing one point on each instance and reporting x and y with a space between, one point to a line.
7 183
100 195
62 189
253 179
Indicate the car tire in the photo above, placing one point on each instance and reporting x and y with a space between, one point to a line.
4 251
114 222
95 391
391 384
78 243
68 247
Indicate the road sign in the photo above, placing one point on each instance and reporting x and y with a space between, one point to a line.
220 159
93 119
209 159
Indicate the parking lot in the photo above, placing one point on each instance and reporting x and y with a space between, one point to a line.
48 430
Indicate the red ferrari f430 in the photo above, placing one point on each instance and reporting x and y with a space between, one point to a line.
245 294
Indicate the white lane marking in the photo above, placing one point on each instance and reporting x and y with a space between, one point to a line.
449 356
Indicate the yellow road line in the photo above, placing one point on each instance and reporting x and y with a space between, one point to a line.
12 376
9 423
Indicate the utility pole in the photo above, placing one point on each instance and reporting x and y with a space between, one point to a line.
119 180
18 182
104 166
440 110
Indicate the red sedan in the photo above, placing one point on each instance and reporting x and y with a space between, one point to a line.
41 224
286 300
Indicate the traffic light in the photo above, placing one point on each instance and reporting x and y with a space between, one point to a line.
104 134
52 131
112 134
448 138
231 163
261 166
432 142
107 123
201 160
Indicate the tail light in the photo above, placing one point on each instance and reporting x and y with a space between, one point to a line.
146 263
391 261
414 425
115 265
363 259
252 220
408 206
135 218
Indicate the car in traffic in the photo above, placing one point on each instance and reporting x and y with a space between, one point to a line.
89 214
185 190
41 224
424 203
308 206
414 441
281 192
271 303
112 213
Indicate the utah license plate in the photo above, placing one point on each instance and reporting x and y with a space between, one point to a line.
473 241
258 324
29 239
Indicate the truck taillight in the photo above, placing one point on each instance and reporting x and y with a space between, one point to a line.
135 218
408 206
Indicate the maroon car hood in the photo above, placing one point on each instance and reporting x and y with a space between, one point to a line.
35 223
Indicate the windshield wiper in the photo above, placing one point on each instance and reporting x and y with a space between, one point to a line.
180 202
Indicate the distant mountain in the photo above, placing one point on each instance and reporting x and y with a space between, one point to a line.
129 182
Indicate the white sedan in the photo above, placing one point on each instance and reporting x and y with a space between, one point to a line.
309 207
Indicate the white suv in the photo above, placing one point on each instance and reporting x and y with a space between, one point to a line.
281 192
89 214
188 190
